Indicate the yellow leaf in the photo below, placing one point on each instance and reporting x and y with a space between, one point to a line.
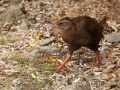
66 75
37 37
8 56
31 44
33 75
52 59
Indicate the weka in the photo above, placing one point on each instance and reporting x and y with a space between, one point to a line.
81 31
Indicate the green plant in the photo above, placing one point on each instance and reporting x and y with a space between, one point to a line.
48 67
80 0
41 85
21 62
46 74
58 6
3 40
1 26
5 85
6 25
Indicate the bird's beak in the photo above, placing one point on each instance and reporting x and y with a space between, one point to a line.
55 27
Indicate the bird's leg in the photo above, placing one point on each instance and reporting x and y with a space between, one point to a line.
64 62
97 62
71 49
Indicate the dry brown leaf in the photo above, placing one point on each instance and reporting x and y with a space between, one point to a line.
5 5
118 28
118 46
109 54
27 14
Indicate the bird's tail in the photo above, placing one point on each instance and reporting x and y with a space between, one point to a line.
103 21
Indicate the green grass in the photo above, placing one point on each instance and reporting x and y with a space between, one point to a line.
22 62
1 26
48 67
6 25
5 85
58 6
80 0
41 85
3 40
20 59
44 83
46 74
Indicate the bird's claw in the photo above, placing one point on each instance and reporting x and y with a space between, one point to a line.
58 69
95 64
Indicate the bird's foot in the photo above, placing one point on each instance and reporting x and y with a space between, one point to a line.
95 64
61 67
58 68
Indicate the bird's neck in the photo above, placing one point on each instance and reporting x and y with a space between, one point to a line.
68 35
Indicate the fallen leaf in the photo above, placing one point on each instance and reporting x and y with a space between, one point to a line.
33 75
27 14
52 59
118 46
37 37
109 54
5 5
31 44
66 75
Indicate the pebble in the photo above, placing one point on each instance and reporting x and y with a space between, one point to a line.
35 53
50 49
23 26
69 82
104 54
112 84
39 16
81 71
97 73
83 86
70 87
26 22
59 79
47 41
16 82
113 37
4 32
2 62
118 84
78 86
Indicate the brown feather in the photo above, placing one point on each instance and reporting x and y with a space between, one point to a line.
82 31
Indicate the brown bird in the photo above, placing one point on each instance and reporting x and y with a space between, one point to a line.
81 31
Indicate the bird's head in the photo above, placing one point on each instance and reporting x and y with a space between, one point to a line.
63 24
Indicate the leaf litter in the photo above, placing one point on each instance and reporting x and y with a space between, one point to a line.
21 71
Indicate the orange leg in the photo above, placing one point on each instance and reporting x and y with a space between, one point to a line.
97 62
64 62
